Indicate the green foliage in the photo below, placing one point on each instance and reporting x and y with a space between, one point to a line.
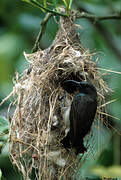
0 175
110 172
4 130
43 6
6 169
19 26
68 4
37 4
55 2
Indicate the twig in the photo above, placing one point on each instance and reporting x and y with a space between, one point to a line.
41 32
38 5
97 18
6 98
105 33
91 17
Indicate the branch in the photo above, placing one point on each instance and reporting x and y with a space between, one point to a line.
97 18
105 33
41 32
38 5
87 15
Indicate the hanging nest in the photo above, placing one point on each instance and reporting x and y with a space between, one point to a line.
37 125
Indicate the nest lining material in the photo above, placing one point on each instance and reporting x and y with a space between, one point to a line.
38 125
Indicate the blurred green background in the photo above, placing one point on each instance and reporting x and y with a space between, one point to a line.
19 26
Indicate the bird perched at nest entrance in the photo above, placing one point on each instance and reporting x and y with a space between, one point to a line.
81 114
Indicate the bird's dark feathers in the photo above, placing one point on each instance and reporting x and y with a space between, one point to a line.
70 85
82 113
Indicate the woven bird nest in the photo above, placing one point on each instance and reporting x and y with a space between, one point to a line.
37 125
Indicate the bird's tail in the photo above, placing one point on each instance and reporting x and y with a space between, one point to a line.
79 147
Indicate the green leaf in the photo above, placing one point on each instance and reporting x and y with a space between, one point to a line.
110 172
68 4
3 125
26 1
3 131
55 2
0 174
45 3
3 121
64 1
36 4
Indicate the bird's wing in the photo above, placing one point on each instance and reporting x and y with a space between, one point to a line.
82 113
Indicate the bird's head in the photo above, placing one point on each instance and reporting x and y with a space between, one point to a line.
88 88
71 86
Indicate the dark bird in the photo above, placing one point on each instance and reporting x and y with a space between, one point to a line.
81 114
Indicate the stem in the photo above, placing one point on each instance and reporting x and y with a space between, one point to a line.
41 32
97 18
37 4
104 32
